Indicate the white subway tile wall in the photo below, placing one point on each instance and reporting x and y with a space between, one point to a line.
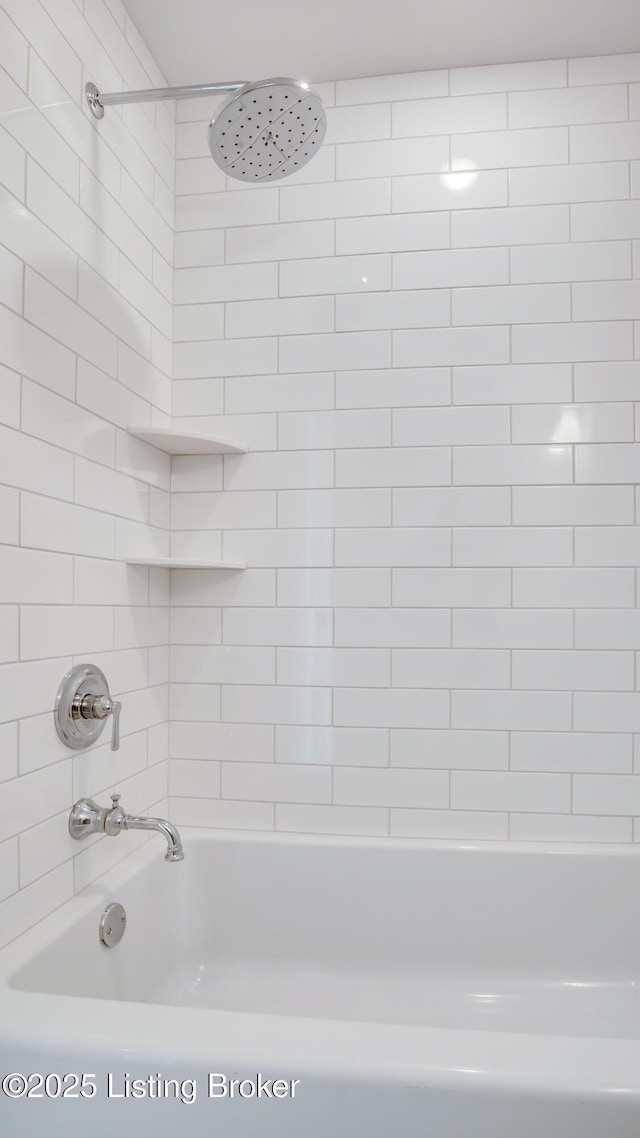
429 339
86 260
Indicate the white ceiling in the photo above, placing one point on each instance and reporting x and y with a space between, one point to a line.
195 41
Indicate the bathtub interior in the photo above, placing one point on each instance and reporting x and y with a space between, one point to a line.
541 941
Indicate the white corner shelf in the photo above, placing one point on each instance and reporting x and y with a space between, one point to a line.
173 441
183 563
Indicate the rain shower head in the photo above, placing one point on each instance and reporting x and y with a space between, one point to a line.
263 130
267 130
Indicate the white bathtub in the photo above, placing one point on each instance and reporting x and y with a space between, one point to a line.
395 988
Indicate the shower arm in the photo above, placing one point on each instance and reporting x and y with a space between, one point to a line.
97 101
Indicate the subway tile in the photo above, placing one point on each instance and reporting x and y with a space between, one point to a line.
409 85
590 182
237 510
508 790
198 247
334 430
221 815
589 260
33 353
571 342
420 309
573 588
358 122
230 742
344 746
610 545
222 664
606 381
206 358
480 112
195 626
12 165
33 577
334 587
460 750
56 314
455 190
613 462
393 387
601 104
393 628
278 626
11 394
189 778
573 423
450 667
606 711
198 322
332 352
451 346
61 214
397 466
523 545
452 506
309 391
280 242
449 824
386 707
52 630
334 667
573 670
511 304
512 465
374 787
548 146
606 794
572 505
451 426
276 782
362 821
279 317
604 69
602 628
508 77
320 508
336 275
391 547
605 221
568 828
224 210
281 471
391 157
335 199
275 548
512 628
511 710
451 268
516 225
451 588
246 703
512 383
30 464
9 634
604 142
392 234
619 300
571 752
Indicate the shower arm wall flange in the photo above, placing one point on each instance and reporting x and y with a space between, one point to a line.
97 101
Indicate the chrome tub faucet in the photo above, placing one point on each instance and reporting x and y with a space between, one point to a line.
87 818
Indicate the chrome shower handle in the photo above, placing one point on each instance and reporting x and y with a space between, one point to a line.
99 707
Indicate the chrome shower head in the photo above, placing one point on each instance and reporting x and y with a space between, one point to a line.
267 130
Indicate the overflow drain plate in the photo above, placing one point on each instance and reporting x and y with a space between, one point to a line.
113 922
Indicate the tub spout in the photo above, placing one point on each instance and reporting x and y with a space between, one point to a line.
174 844
88 818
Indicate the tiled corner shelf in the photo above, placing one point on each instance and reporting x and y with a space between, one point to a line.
183 563
172 441
175 442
